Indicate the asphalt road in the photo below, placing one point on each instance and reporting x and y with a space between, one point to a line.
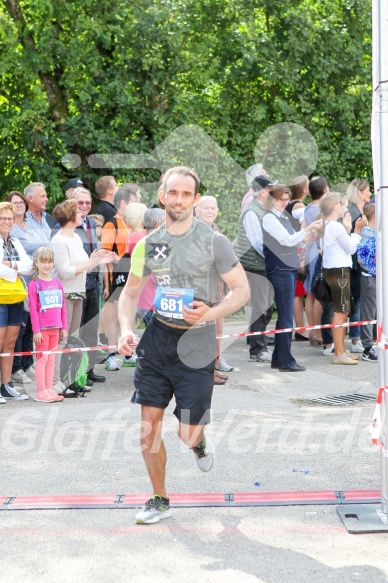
268 439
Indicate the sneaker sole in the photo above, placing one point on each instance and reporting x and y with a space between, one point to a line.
155 519
351 361
129 365
23 381
22 398
45 400
369 359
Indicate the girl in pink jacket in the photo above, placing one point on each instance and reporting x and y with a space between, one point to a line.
48 318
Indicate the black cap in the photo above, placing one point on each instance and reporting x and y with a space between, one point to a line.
261 182
75 183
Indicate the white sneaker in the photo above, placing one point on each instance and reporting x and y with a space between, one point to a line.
31 371
20 377
204 454
329 351
2 400
223 366
155 509
112 363
264 356
59 387
358 347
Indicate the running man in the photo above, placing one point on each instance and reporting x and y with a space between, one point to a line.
177 350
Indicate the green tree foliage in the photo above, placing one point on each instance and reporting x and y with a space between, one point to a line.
118 77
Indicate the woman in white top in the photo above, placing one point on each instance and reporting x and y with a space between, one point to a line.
13 261
71 263
338 245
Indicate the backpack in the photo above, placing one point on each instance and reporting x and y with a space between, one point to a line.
74 367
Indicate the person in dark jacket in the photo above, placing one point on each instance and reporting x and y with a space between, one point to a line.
280 243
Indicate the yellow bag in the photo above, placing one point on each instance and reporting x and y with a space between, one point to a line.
12 292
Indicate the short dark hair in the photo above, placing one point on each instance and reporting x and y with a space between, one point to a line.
123 193
66 212
183 171
317 187
103 184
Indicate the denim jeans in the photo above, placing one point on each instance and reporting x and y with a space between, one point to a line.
354 316
284 285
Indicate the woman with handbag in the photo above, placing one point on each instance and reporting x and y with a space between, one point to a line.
14 262
338 245
281 264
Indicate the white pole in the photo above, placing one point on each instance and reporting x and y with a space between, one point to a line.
380 167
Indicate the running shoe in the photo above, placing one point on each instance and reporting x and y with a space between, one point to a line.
370 354
223 366
9 393
156 508
357 348
204 454
264 356
112 363
130 360
20 377
48 396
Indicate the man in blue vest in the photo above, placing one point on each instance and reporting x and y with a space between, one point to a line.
249 249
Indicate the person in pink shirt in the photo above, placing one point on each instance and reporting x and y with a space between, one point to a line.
49 322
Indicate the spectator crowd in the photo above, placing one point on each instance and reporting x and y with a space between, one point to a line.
62 274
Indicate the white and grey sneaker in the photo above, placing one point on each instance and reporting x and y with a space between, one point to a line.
204 454
357 348
9 393
20 377
59 387
155 509
329 351
112 363
223 366
264 356
30 372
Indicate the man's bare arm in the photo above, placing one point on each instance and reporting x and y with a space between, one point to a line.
127 308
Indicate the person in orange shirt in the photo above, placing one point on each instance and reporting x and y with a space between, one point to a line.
115 235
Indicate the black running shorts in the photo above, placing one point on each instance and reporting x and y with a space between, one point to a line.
180 363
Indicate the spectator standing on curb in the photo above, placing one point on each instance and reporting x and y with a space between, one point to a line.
281 264
250 250
14 262
207 211
338 246
106 187
115 235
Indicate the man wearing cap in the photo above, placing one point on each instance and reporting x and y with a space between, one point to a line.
249 249
72 184
250 174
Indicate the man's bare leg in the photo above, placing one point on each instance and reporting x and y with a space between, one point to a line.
154 452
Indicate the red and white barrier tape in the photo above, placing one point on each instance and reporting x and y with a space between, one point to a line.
300 329
383 341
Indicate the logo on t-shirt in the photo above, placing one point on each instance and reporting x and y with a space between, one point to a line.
159 251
